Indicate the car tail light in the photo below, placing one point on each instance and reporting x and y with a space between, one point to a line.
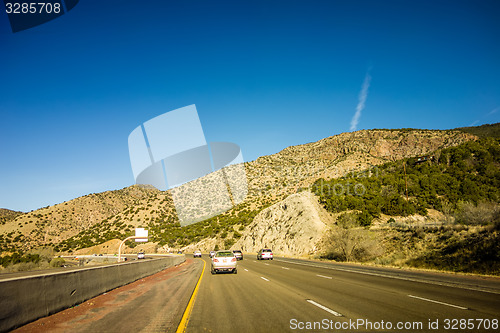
234 259
216 260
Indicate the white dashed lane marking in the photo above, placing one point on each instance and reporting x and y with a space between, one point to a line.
335 313
438 302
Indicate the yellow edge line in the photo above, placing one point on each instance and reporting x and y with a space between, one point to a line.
189 308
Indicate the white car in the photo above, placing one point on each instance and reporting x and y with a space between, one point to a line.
265 254
224 261
141 255
197 254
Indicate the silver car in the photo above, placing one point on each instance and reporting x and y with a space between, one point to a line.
224 261
265 254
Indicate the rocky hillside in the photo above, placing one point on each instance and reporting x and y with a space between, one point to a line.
292 227
7 215
300 166
96 218
53 224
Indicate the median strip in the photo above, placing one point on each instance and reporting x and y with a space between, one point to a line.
438 302
335 313
189 308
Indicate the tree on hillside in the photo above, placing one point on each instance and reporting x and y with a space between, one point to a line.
469 172
351 242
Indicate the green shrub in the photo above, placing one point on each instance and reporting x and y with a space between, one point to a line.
57 262
228 243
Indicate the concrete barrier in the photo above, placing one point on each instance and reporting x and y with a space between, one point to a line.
25 299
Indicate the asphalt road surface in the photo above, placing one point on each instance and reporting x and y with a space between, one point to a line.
287 295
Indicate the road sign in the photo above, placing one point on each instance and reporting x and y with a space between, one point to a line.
141 234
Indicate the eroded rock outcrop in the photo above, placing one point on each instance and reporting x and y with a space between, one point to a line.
293 226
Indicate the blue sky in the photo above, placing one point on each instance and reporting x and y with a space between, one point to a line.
263 74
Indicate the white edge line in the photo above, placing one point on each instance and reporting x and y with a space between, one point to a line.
263 278
438 302
395 277
335 313
324 276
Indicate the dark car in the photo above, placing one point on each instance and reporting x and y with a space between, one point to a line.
238 254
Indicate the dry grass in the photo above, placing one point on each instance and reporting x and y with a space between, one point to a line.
447 248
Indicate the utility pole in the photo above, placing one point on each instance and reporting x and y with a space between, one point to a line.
406 182
406 187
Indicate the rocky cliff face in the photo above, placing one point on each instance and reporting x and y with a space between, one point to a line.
293 226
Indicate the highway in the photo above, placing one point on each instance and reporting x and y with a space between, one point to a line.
289 295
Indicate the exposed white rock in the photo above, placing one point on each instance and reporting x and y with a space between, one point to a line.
293 226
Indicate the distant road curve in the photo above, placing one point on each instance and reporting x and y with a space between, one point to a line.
72 261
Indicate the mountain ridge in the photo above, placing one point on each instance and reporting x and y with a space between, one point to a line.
272 178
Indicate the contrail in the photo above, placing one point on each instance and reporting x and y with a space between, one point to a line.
492 112
361 103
